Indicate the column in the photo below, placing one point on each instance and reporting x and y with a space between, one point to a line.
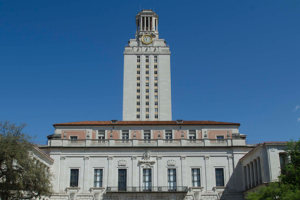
208 174
141 23
230 170
62 174
109 171
183 171
160 172
248 176
135 177
255 173
258 171
251 174
148 23
156 24
86 174
153 23
144 23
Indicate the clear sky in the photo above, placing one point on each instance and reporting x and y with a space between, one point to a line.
232 61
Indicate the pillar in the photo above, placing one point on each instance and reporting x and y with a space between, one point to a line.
62 174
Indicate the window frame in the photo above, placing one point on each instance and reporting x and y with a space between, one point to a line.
173 188
101 182
223 168
192 178
78 169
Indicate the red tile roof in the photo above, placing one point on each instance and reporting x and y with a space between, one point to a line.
129 123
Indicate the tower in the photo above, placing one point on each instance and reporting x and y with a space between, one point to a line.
147 78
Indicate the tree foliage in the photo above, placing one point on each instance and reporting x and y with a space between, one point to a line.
288 187
22 175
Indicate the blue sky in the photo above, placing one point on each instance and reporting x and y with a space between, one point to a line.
232 61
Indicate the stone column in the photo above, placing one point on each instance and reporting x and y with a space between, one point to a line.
230 171
86 174
144 23
255 173
153 23
248 176
258 170
110 171
141 23
135 176
183 171
159 172
208 174
62 174
251 175
148 23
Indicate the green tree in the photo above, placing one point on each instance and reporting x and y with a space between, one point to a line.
288 186
22 175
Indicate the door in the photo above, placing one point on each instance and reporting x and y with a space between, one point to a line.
122 180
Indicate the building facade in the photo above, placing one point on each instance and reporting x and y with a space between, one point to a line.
147 79
147 156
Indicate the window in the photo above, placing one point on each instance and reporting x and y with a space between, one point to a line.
192 134
122 178
156 103
147 116
147 180
138 110
125 134
138 78
220 137
138 103
73 137
74 178
147 109
147 135
138 90
138 72
147 66
168 134
196 177
155 84
156 109
282 159
155 58
147 90
101 134
138 59
147 97
138 66
147 72
147 59
147 84
155 72
147 103
155 66
155 78
138 116
156 97
138 84
156 90
172 180
138 97
147 78
156 116
98 175
219 177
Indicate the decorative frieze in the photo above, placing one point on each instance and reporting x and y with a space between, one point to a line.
122 163
171 162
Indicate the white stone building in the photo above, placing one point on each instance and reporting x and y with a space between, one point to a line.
147 156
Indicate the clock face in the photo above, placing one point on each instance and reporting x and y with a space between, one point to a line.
147 39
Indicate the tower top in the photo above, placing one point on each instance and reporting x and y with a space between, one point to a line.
146 23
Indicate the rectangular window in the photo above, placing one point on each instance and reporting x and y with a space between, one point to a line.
138 91
138 72
155 72
147 103
192 134
156 109
172 186
138 66
74 178
138 110
138 97
156 97
147 59
73 137
147 90
147 116
155 84
138 59
147 78
98 175
101 134
155 66
138 78
138 103
282 159
147 72
156 116
156 103
147 183
155 58
147 109
219 177
147 84
168 134
125 134
196 177
147 97
122 179
147 66
138 116
220 137
147 135
138 84
155 78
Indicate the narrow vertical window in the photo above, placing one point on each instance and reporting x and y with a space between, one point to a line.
74 177
122 180
196 177
101 134
125 134
169 134
98 175
155 59
282 159
192 134
172 186
219 176
147 183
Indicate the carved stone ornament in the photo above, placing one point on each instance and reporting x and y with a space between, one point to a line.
183 157
165 50
146 155
122 163
63 158
86 158
110 158
206 157
171 163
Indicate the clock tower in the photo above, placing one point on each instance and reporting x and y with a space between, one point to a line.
147 79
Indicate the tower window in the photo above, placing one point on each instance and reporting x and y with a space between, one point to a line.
156 97
156 116
155 78
155 66
147 72
138 66
147 59
138 84
138 72
147 78
138 103
138 97
147 84
155 58
155 72
138 78
147 90
147 66
138 59
156 109
138 90
155 84
147 97
147 116
147 103
156 103
156 90
138 110
147 109
138 116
